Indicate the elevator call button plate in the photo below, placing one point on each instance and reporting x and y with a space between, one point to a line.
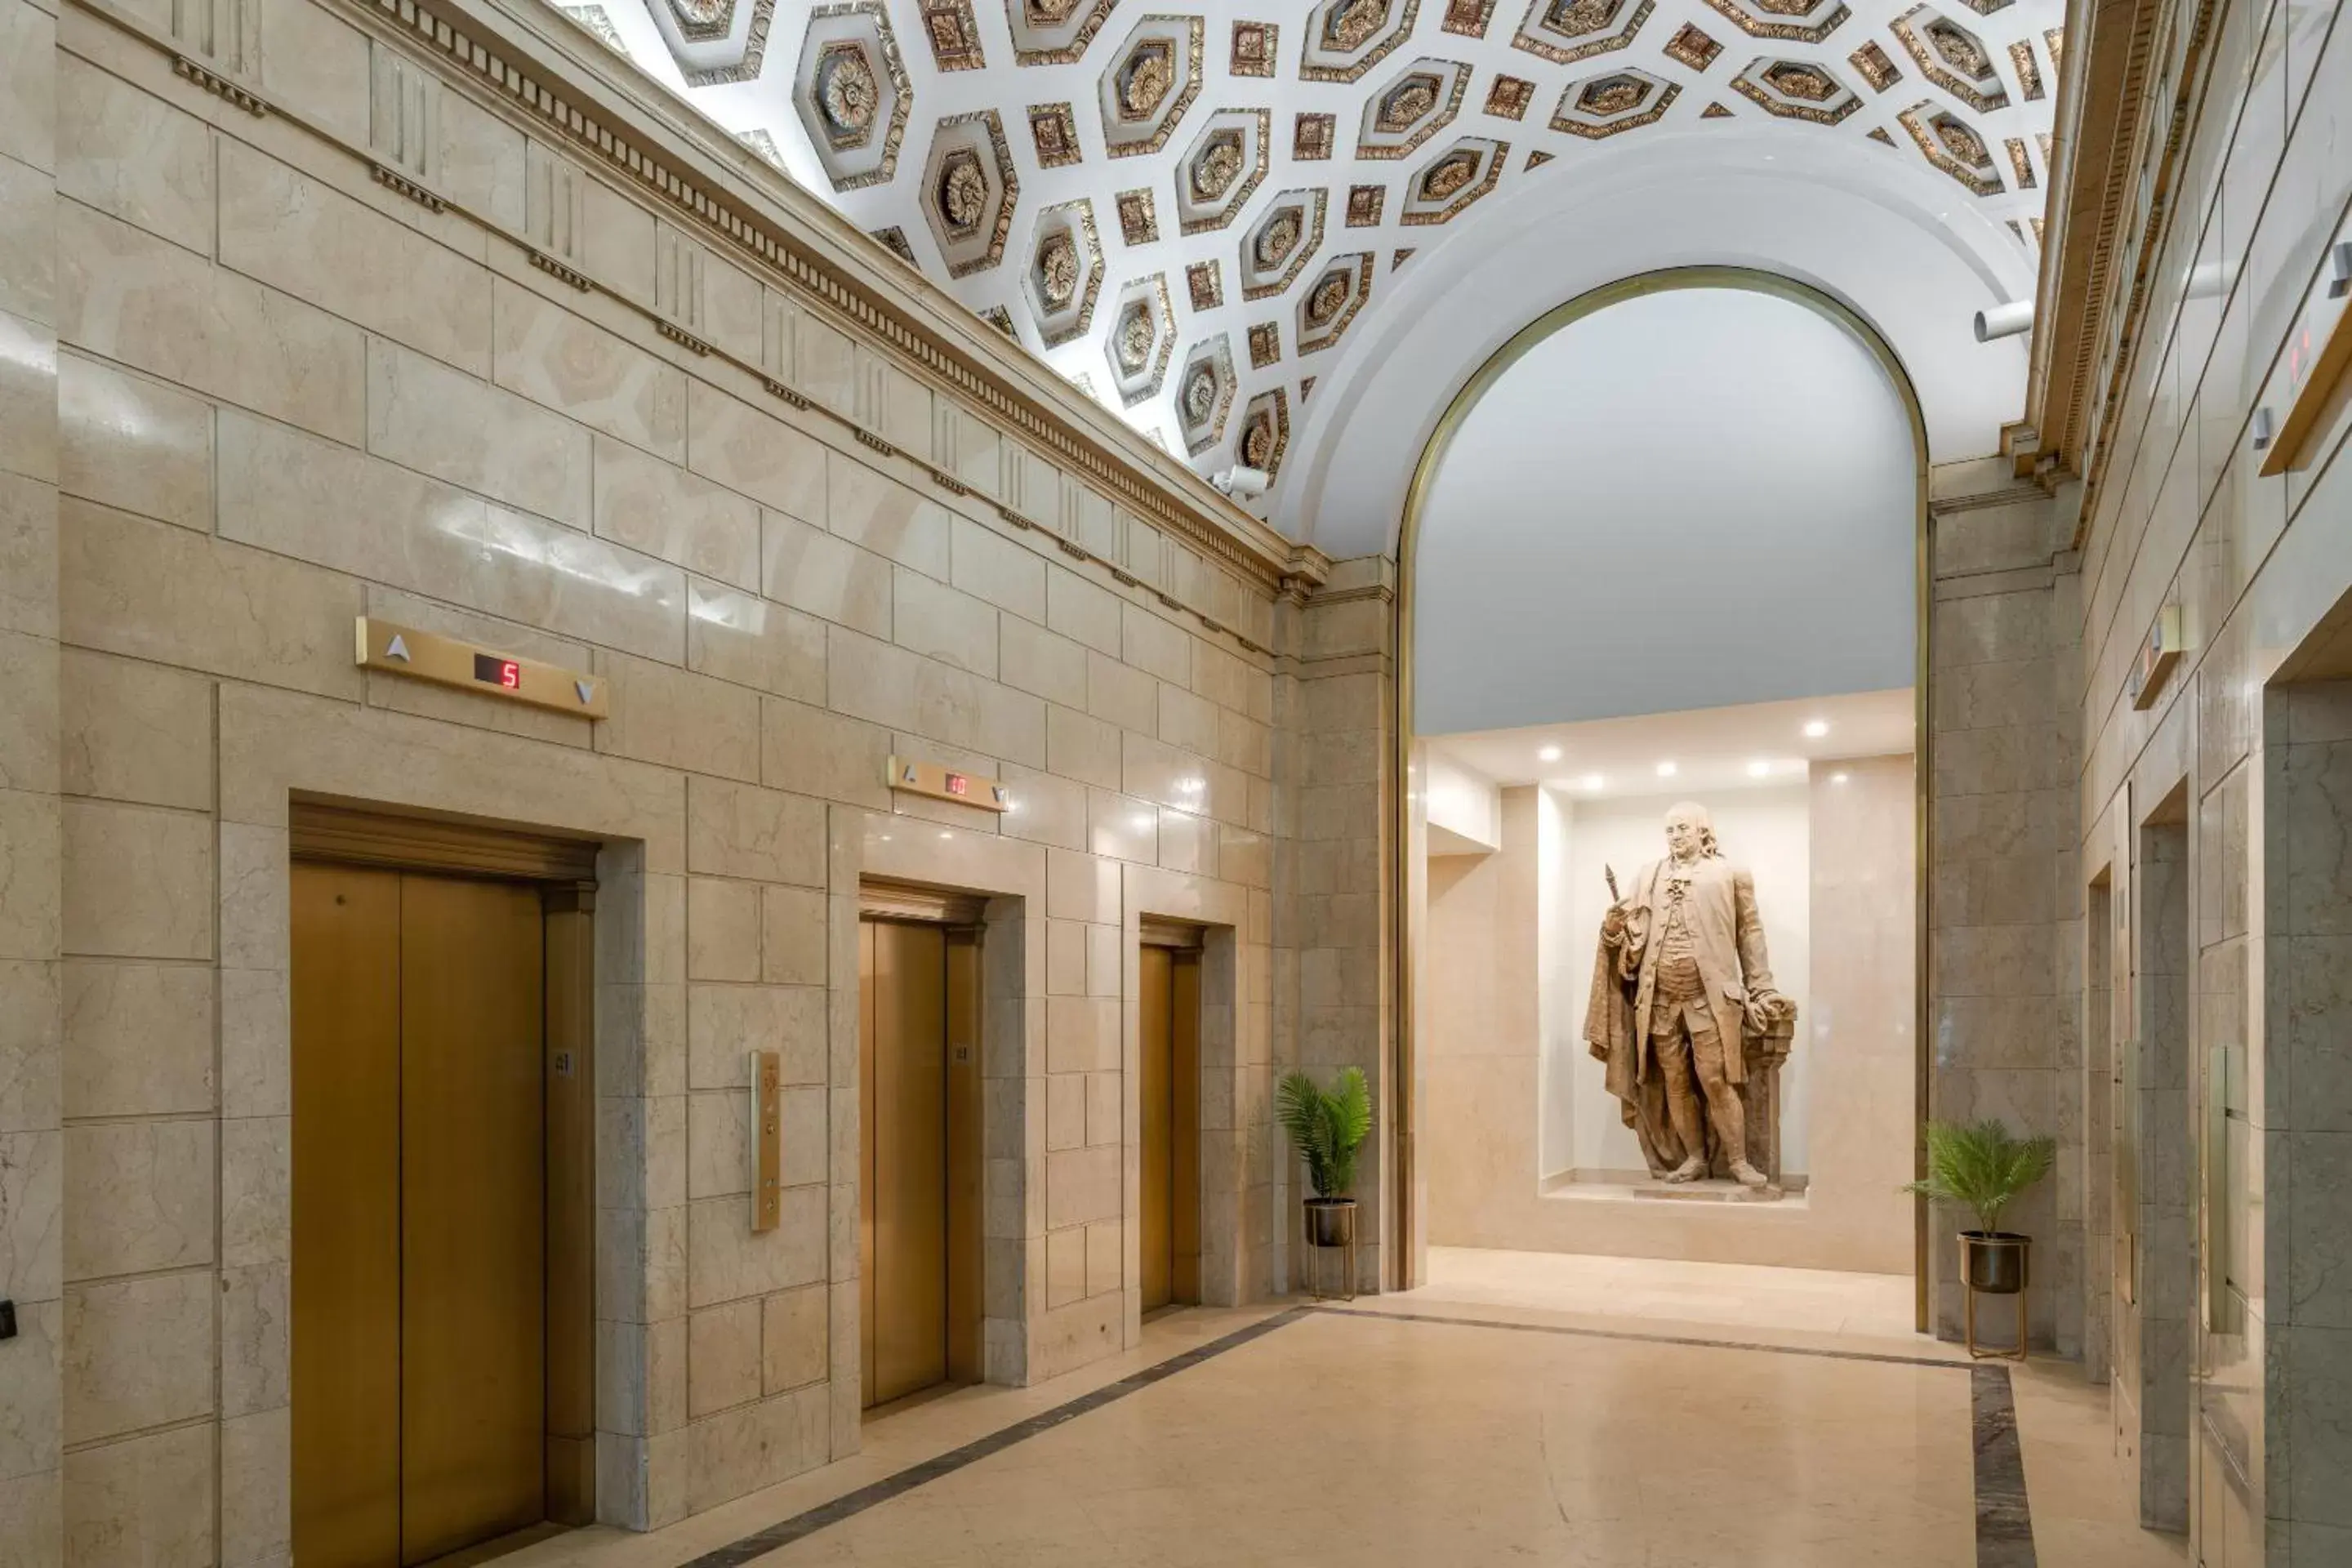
426 656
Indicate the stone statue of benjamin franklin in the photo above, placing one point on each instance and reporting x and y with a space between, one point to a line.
1684 1013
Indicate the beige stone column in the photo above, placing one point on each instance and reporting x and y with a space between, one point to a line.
31 1141
2006 913
1335 718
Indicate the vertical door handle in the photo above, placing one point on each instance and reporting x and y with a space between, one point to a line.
767 1141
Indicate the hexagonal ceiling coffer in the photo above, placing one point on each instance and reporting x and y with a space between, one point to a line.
1278 247
1054 32
1567 31
850 90
1204 394
1411 106
1953 146
1220 170
1332 300
1065 272
1613 103
1464 171
968 191
1797 90
1266 432
1153 78
1792 21
1345 38
1142 339
1952 57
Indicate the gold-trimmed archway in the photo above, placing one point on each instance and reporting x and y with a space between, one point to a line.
1405 1216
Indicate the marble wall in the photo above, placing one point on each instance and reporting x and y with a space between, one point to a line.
2178 514
275 370
33 1251
2005 898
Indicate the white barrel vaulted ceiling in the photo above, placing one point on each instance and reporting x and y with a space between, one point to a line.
1185 209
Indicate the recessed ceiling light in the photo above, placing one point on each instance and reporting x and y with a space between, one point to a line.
1665 769
1593 780
1837 778
1758 770
1549 754
946 836
1816 728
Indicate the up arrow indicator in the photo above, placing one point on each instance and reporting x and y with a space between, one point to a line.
398 649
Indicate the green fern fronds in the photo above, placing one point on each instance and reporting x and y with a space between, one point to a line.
1326 1127
1980 1167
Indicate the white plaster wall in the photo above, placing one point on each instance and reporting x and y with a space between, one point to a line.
1562 975
1768 831
1631 509
1464 802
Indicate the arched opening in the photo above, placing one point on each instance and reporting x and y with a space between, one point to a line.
1666 546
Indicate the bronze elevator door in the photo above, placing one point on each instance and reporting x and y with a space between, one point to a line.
1167 1092
918 1193
419 1273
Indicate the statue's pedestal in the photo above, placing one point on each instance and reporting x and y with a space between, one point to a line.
1707 1190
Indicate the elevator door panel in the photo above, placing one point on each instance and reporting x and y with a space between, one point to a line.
906 1163
345 1339
473 1162
1185 1151
418 1341
1168 1095
1155 1100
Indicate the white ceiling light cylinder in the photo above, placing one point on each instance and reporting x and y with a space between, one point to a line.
2005 320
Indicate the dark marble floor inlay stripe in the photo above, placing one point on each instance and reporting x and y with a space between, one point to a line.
783 1532
1628 1334
2004 1521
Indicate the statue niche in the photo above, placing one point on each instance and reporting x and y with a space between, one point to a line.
1683 1015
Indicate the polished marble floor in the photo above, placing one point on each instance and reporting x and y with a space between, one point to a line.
1484 1419
1687 1295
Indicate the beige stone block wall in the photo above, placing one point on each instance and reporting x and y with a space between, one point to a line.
287 394
33 1160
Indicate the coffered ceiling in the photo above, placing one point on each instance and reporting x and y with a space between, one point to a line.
1185 208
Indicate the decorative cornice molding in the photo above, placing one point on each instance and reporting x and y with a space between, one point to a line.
750 208
1380 591
2104 114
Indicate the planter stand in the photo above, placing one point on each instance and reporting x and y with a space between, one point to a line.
1327 1224
2004 1257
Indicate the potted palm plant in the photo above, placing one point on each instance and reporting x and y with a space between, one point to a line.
1327 1128
1984 1168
